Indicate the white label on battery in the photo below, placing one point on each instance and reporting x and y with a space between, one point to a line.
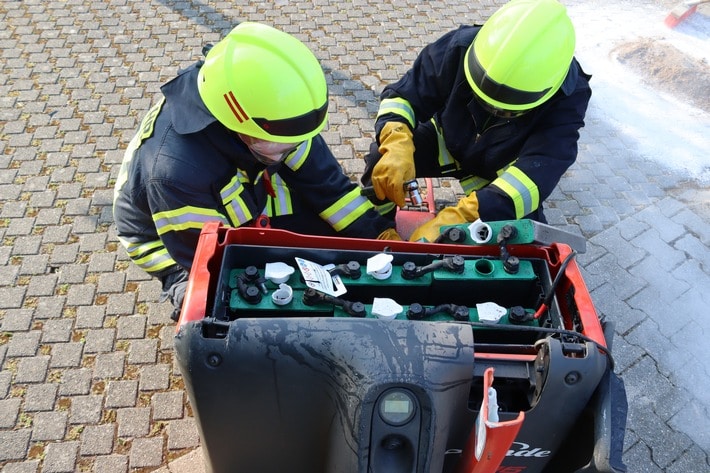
317 277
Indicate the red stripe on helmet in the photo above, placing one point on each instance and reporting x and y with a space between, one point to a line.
236 109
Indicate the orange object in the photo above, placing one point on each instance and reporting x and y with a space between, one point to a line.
682 11
489 440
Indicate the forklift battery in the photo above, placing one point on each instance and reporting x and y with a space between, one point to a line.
320 354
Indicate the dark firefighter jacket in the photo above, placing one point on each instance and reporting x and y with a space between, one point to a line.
183 168
512 164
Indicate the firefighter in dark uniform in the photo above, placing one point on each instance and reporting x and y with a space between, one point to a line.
236 139
498 107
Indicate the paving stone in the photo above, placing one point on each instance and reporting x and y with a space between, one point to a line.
75 382
50 307
133 422
40 397
26 245
9 410
131 327
102 262
72 274
154 378
143 351
667 229
86 409
34 264
32 369
58 330
24 344
625 354
100 340
111 464
167 405
665 256
11 297
626 254
81 294
146 452
13 444
109 365
694 224
694 250
121 394
93 242
42 285
66 355
49 425
182 433
90 317
121 304
647 335
694 459
60 457
665 449
16 320
693 370
112 282
64 254
97 439
30 466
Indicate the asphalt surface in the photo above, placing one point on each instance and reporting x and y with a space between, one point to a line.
88 379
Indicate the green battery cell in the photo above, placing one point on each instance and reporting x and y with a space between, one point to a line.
485 269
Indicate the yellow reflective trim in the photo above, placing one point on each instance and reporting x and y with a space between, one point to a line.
473 183
155 262
445 158
296 159
145 130
135 249
185 218
521 190
282 203
398 106
353 215
150 256
237 210
346 210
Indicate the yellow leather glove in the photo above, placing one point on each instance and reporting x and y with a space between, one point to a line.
389 234
465 211
396 166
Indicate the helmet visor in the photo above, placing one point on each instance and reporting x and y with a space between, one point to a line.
499 112
295 126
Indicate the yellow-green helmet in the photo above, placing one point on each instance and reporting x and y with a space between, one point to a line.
264 83
521 55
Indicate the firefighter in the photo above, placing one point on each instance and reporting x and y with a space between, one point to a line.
498 107
235 138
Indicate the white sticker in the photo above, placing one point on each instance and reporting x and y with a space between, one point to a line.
317 277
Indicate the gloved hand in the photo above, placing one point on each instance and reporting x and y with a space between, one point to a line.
174 286
396 166
389 234
466 210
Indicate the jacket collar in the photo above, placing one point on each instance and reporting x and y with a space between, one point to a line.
570 83
188 113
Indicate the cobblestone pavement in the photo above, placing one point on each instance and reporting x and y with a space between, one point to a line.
88 379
